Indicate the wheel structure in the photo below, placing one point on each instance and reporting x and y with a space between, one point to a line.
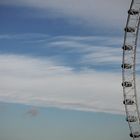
129 69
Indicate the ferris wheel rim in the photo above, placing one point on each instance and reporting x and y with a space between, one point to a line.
125 68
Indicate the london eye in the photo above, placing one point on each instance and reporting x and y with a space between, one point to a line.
130 47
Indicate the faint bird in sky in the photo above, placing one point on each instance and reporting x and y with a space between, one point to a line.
32 112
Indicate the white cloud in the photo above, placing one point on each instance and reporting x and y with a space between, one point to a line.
45 83
110 13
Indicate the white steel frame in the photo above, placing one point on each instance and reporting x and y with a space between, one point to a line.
129 73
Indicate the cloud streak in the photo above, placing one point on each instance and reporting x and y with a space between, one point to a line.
24 37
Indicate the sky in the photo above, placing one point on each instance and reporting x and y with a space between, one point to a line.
21 122
64 56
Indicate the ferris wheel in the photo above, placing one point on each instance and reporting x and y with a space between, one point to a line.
129 69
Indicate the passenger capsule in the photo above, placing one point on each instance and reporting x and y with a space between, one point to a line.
127 47
129 29
131 118
126 66
128 102
133 12
127 84
135 134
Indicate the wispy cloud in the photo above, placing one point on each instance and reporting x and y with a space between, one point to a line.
24 37
99 40
103 56
94 50
34 81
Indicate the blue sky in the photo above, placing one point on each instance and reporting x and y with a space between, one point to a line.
65 55
73 47
20 122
